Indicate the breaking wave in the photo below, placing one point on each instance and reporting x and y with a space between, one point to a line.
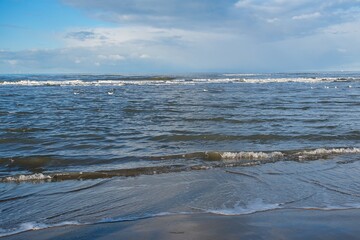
166 81
202 161
31 177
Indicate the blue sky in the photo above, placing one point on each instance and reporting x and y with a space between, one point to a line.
174 36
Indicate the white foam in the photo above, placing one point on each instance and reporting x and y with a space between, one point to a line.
324 151
285 80
240 74
45 83
335 207
256 206
259 206
229 78
21 178
251 155
64 83
217 80
302 155
29 226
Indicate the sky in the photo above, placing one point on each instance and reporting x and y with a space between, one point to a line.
179 36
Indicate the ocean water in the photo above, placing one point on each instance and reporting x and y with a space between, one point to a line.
83 149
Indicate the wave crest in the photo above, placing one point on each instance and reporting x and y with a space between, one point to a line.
165 81
22 178
251 155
208 160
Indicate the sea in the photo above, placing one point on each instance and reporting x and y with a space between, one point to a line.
79 149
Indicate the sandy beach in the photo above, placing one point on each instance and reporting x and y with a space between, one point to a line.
277 224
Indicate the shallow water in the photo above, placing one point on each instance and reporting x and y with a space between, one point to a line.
79 149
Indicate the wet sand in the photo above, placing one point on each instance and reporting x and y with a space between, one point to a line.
277 224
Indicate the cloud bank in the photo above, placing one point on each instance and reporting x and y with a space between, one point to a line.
203 35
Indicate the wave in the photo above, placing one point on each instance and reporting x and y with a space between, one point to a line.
259 206
144 216
301 80
29 226
253 137
31 177
303 155
63 83
256 206
204 161
243 74
62 176
345 206
165 81
294 155
243 79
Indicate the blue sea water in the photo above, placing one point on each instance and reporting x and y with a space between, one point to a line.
81 149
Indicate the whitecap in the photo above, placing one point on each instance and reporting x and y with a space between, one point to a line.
21 178
250 155
324 151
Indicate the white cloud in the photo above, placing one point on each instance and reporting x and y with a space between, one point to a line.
144 56
272 20
160 13
137 35
243 4
112 57
307 16
272 6
247 35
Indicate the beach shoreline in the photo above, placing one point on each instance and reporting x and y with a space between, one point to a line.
274 224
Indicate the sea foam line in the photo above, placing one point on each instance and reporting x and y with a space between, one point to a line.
63 83
172 81
30 226
300 155
252 208
33 226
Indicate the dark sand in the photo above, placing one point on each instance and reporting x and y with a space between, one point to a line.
278 224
